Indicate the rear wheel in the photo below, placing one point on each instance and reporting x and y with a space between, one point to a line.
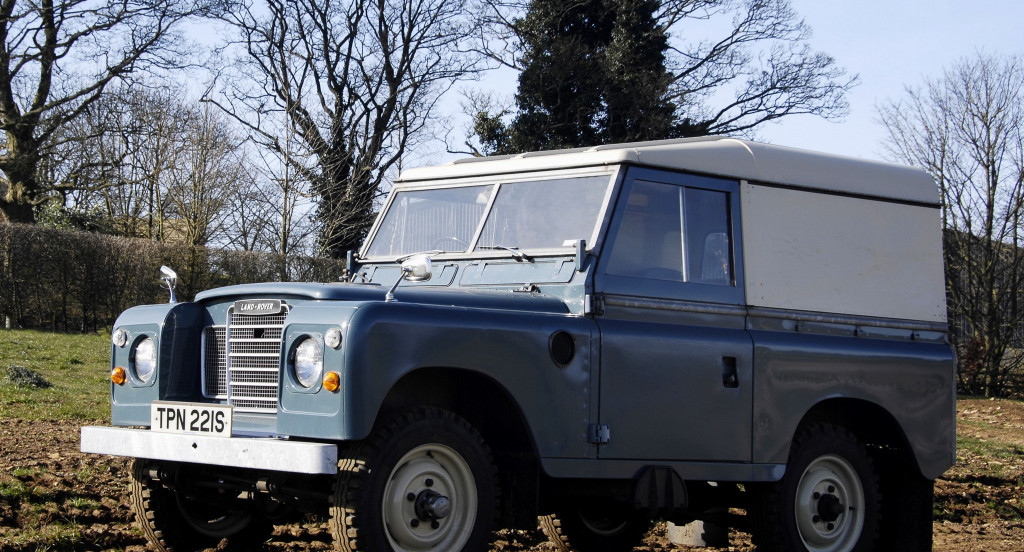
828 501
177 518
906 505
589 527
424 481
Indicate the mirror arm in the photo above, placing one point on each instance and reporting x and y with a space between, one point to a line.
390 296
415 268
174 298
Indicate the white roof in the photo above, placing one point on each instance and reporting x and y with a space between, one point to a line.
720 156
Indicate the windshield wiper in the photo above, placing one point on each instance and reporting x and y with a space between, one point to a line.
427 252
518 255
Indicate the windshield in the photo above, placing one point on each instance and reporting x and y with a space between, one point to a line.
525 215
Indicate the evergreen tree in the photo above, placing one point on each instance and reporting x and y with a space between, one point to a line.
593 72
602 71
636 84
560 87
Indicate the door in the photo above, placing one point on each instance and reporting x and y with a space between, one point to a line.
676 359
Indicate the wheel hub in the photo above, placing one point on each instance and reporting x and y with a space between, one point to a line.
830 508
432 505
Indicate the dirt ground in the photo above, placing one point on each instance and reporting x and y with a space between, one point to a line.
52 497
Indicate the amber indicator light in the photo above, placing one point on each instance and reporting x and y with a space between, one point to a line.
332 381
118 375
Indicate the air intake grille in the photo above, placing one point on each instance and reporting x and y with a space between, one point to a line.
241 361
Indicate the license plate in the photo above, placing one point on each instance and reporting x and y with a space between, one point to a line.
195 418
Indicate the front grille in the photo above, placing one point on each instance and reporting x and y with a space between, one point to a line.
241 361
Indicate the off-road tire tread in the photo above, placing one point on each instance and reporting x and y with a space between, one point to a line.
355 465
167 531
769 522
164 530
570 537
551 526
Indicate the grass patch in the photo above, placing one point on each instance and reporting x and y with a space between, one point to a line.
51 536
996 453
23 473
85 475
14 491
75 366
82 503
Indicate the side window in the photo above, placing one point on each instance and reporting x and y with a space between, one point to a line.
673 233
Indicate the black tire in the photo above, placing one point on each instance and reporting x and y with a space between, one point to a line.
177 521
828 501
907 504
595 528
423 481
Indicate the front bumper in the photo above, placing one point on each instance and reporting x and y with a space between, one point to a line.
238 452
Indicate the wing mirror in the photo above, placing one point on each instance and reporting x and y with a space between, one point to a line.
170 278
417 268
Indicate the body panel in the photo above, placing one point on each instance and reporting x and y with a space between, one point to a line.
913 381
677 406
511 349
839 254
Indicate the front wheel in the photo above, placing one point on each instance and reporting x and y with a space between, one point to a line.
178 517
828 501
424 481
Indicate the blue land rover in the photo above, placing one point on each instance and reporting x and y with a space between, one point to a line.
591 338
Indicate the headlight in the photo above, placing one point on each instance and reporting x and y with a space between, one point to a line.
309 362
145 359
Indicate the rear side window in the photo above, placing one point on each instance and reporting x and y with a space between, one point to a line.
674 233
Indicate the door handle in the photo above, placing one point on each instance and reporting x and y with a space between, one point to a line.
730 379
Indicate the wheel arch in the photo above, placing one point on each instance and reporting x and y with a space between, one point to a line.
869 422
478 398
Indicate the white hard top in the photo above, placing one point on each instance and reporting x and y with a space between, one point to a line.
720 156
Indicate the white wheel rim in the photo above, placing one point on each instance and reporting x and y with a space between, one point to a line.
829 505
429 469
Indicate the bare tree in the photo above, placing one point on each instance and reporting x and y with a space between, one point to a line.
249 215
159 167
57 59
966 130
204 176
136 144
111 159
759 69
357 81
271 211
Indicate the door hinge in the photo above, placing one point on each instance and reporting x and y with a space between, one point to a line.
599 434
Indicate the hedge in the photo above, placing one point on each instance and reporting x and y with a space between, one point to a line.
77 281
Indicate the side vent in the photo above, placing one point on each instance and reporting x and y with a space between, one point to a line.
562 347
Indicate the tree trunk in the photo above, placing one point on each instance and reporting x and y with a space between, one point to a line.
16 212
20 166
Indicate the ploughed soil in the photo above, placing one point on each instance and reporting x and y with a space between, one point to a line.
53 497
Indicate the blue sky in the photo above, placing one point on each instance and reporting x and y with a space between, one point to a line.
889 43
892 44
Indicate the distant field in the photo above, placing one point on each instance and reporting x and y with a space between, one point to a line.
76 365
54 498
